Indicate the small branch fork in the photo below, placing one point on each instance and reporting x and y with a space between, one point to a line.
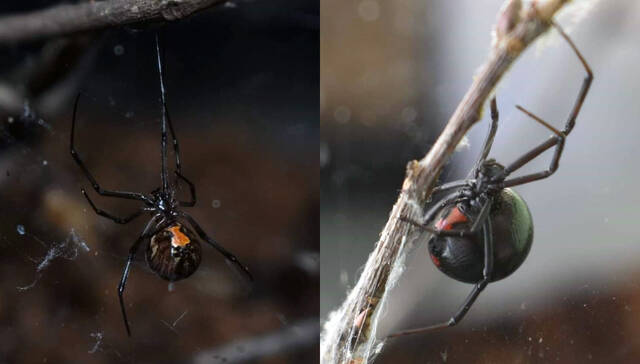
349 334
68 19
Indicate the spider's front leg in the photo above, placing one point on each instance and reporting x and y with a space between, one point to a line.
166 120
558 138
94 183
116 219
192 190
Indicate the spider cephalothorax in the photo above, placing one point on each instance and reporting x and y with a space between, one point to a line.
490 175
483 230
172 249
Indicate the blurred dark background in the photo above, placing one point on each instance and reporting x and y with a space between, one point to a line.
392 74
242 86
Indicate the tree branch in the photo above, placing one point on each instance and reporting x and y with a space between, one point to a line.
68 19
349 334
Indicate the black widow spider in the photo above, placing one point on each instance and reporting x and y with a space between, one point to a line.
173 250
457 247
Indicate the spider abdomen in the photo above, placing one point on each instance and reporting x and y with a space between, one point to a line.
174 253
462 258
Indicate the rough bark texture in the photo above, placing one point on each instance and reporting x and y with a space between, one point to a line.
68 19
349 334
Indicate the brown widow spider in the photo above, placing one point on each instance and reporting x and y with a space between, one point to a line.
172 249
482 232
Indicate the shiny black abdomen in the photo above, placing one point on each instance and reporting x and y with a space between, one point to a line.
462 258
174 253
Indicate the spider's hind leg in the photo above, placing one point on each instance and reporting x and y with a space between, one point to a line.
146 233
225 253
473 295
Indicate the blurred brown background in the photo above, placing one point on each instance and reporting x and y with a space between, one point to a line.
391 75
242 91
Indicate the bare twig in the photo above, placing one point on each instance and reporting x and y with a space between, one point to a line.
349 334
68 19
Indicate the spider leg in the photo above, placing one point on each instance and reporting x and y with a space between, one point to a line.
486 148
174 138
178 171
230 257
163 139
447 200
451 185
94 183
556 140
146 233
447 186
559 137
176 145
473 295
192 189
118 220
166 120
488 142
477 224
586 83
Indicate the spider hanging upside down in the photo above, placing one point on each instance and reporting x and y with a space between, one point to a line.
172 249
483 231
